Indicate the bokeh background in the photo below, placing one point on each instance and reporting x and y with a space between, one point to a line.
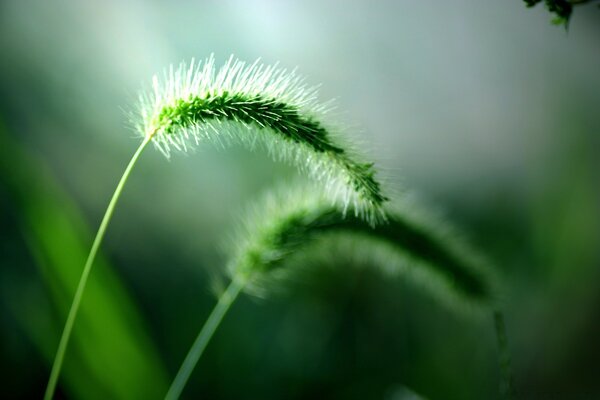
482 107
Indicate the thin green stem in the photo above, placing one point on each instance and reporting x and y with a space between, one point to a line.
507 389
66 335
211 324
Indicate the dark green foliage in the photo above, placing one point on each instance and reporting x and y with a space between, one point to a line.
561 8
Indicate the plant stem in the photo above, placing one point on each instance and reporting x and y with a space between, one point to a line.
506 388
66 335
211 324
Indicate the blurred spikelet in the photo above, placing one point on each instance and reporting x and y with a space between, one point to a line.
291 229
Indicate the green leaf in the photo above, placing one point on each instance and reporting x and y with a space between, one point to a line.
112 356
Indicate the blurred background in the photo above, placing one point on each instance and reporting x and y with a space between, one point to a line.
482 107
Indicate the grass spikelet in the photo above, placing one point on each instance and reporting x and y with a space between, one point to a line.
253 105
279 237
413 243
257 105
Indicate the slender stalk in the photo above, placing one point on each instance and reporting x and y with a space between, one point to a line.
507 389
66 335
211 324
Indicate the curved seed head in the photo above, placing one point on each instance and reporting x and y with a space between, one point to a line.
257 105
289 230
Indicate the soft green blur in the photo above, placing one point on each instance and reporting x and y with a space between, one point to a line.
483 107
111 352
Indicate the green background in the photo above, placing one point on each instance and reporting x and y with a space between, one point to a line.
482 107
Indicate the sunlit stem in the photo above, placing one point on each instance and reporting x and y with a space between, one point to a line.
66 335
211 324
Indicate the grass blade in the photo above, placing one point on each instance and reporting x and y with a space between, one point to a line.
112 355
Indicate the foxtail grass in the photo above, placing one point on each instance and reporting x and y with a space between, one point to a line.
412 243
254 105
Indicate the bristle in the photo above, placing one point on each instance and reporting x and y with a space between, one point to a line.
413 243
258 106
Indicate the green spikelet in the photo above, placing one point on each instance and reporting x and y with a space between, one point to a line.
412 242
258 106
